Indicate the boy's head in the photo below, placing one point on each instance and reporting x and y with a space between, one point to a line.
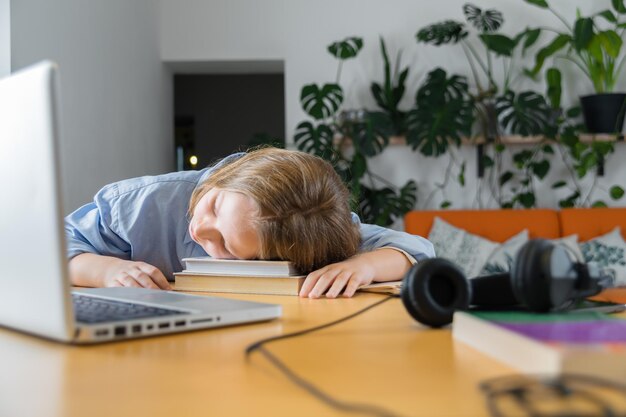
298 208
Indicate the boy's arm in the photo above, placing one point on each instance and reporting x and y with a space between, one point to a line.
376 237
93 270
386 255
100 257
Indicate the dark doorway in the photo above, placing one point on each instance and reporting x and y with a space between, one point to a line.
218 114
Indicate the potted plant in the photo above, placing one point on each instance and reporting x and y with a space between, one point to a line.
367 131
582 161
594 44
494 104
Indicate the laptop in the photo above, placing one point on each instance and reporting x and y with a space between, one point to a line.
35 292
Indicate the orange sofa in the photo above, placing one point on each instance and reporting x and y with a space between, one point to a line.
500 224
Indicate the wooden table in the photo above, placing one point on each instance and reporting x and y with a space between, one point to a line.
382 357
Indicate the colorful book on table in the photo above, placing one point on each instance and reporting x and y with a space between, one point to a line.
589 343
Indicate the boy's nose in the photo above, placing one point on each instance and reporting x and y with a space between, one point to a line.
204 229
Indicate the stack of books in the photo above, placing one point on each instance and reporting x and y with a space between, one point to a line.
239 276
208 274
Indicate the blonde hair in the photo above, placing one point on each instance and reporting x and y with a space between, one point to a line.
304 206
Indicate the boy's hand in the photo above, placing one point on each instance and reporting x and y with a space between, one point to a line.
346 276
134 274
385 264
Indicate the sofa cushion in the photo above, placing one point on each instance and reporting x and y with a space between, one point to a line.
609 252
570 242
466 250
503 256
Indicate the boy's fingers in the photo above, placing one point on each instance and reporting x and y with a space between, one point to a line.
145 281
161 281
309 283
322 284
157 277
352 287
338 285
128 281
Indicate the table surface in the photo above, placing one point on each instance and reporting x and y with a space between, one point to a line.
382 357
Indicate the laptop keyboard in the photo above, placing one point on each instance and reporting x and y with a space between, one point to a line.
90 310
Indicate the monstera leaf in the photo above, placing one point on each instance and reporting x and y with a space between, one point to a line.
346 49
321 103
526 113
449 31
375 205
487 21
383 206
443 113
317 140
384 125
365 137
406 199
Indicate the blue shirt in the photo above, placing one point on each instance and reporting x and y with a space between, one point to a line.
145 219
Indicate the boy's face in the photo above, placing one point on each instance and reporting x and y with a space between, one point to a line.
222 225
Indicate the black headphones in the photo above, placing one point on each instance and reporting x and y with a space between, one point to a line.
543 277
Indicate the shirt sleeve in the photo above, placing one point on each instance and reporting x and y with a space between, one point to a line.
90 229
376 237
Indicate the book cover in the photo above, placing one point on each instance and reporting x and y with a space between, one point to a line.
242 284
548 344
206 264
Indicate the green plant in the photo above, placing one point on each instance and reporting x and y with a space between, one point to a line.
331 128
442 113
561 143
581 160
390 120
496 45
590 45
493 103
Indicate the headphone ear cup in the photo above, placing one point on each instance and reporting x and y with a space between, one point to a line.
433 289
531 277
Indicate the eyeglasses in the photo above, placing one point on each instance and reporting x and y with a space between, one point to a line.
570 395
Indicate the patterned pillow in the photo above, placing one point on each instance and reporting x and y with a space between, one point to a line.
571 243
502 258
609 252
468 251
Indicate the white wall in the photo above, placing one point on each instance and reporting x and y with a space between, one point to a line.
298 31
115 93
5 37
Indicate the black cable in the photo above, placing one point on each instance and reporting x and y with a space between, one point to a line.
315 391
258 344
